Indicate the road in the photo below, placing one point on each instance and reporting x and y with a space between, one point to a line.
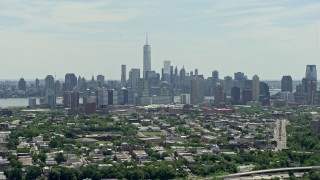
280 134
267 171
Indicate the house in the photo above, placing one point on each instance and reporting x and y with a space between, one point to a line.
26 161
38 138
51 162
122 157
2 176
141 156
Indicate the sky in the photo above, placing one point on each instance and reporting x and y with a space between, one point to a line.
90 37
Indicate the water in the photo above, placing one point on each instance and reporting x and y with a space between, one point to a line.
20 102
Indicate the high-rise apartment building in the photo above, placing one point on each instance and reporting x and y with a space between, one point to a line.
71 100
197 90
219 95
286 84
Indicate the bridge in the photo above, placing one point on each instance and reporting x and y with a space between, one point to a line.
268 171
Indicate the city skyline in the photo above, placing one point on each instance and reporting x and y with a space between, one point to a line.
96 37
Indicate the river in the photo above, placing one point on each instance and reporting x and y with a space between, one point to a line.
19 102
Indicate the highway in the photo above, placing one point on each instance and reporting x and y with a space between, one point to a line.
268 171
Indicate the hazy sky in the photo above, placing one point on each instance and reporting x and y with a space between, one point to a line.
270 38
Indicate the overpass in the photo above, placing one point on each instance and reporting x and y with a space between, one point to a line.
268 171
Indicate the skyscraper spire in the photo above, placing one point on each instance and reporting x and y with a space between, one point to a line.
146 57
147 38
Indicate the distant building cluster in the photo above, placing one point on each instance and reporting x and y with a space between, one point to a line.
170 86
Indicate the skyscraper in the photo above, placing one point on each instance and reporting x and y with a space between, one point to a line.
50 91
235 95
228 83
311 72
215 75
246 94
286 84
143 88
70 81
22 85
49 82
240 79
197 90
123 74
312 89
182 75
100 79
196 72
255 88
310 83
219 95
71 100
134 76
123 96
112 97
51 98
102 97
146 57
264 95
37 83
166 67
57 87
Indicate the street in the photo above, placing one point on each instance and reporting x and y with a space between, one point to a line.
280 134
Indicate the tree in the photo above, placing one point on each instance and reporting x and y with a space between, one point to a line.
14 174
313 175
33 172
54 174
90 171
60 158
69 174
14 161
42 156
34 157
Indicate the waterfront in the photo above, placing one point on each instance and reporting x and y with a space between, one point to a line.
19 102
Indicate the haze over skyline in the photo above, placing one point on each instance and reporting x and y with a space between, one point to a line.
270 39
